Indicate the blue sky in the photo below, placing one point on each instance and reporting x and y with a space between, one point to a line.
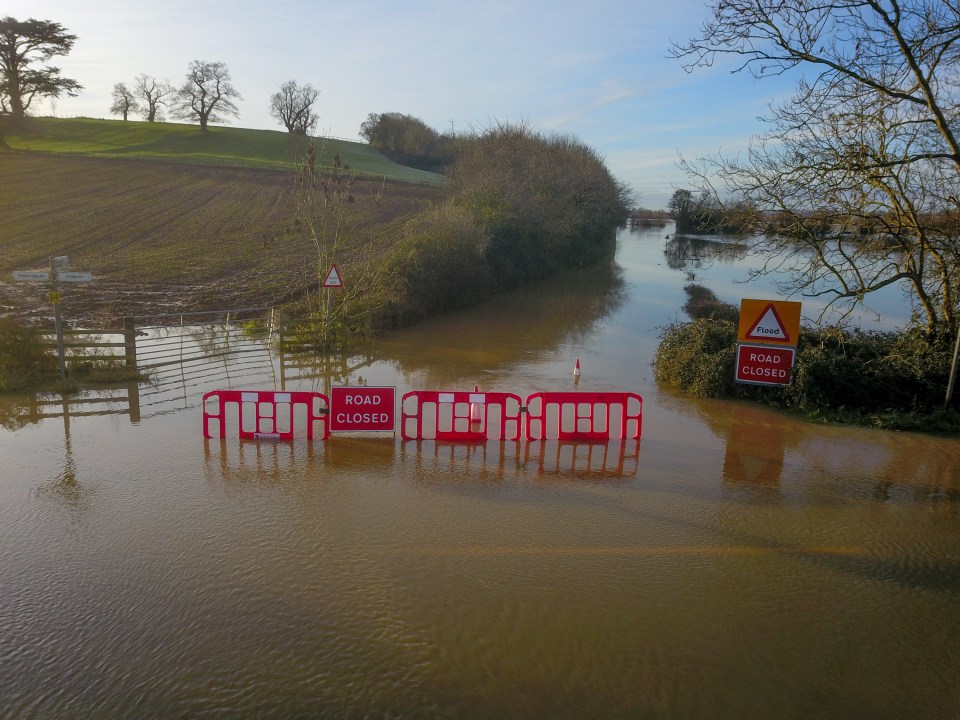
597 70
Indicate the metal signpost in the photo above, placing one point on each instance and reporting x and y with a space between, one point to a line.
55 277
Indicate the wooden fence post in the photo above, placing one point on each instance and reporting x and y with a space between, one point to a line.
130 342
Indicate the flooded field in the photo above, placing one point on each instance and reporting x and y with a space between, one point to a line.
734 563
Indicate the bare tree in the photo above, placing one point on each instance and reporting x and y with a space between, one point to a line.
332 210
155 94
124 101
207 94
292 106
861 168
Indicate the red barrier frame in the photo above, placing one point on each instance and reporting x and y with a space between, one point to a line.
469 419
271 409
581 408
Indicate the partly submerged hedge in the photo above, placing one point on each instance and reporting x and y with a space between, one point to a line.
887 379
519 207
522 206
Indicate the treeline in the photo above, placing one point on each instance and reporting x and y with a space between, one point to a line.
702 214
409 141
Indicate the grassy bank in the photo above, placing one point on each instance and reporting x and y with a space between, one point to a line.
174 142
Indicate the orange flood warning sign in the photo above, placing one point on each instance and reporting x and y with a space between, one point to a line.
769 321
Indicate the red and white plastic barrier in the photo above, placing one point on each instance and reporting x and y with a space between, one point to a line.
265 414
460 416
584 416
454 416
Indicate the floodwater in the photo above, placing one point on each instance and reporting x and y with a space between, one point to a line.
734 563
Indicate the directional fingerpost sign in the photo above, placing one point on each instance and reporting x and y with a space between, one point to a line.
56 275
769 321
31 276
333 278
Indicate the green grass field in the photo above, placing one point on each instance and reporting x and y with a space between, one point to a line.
169 218
185 143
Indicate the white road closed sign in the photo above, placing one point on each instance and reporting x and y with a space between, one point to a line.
362 409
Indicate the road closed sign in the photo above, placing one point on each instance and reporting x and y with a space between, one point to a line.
764 364
362 409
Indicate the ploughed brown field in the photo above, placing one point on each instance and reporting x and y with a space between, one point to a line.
167 237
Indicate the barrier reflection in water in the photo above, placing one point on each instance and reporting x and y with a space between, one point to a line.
240 461
439 462
593 461
435 462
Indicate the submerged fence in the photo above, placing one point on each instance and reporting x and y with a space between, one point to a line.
176 338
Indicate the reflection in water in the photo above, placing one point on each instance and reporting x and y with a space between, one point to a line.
237 461
519 327
271 463
754 450
763 449
19 410
587 461
65 486
684 252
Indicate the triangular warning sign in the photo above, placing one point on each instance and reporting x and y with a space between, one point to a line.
768 327
333 278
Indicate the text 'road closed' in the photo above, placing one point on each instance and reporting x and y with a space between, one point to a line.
764 365
362 409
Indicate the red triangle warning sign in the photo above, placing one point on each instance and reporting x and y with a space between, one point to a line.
768 327
333 278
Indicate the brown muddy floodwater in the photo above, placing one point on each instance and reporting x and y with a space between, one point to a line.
734 563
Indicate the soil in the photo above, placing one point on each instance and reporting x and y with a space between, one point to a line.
167 237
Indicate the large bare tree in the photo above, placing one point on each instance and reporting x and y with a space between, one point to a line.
207 94
155 94
861 167
292 106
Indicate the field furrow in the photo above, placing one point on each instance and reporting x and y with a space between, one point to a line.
171 236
